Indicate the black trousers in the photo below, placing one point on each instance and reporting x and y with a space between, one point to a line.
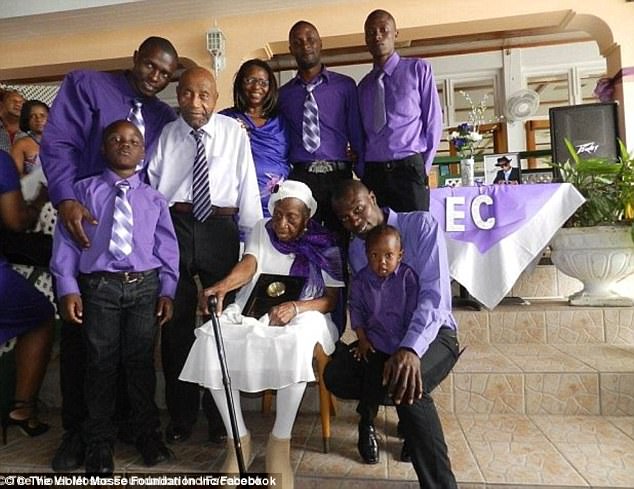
322 185
347 378
72 372
401 185
119 328
72 369
208 250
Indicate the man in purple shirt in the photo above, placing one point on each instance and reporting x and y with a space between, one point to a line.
86 103
117 291
428 349
402 120
71 149
322 113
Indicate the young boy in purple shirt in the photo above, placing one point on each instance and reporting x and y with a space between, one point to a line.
383 297
118 290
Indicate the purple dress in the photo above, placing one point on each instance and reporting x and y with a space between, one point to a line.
269 145
22 306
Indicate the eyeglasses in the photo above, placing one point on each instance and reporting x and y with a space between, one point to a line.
257 81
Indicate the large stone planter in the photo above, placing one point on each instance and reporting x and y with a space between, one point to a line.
597 256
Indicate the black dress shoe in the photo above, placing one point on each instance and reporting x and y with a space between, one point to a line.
70 454
217 434
175 434
152 449
368 445
405 456
99 460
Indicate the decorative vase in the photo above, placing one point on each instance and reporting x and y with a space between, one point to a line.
599 257
467 166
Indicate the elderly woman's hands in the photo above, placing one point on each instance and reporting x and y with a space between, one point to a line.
240 274
219 289
283 313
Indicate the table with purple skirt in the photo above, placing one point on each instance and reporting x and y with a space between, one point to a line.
494 232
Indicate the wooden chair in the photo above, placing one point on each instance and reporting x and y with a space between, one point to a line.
327 405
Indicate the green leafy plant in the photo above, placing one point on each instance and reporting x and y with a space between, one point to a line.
607 185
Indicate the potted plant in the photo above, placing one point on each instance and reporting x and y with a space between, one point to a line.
596 245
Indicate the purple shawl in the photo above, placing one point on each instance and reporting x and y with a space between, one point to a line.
315 250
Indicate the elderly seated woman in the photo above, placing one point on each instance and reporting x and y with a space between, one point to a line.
276 351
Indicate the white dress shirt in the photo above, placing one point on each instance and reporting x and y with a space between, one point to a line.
232 178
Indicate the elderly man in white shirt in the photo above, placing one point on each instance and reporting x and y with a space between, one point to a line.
203 166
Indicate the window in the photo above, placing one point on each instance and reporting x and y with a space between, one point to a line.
554 91
588 83
456 108
478 90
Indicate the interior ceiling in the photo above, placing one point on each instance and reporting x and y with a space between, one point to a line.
46 18
40 19
446 46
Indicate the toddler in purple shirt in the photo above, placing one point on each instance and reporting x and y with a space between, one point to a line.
383 296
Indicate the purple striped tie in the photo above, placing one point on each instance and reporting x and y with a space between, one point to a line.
200 186
121 240
310 122
136 116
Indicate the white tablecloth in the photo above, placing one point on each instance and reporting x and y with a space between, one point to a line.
489 275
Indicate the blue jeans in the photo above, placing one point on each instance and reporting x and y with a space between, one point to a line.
119 328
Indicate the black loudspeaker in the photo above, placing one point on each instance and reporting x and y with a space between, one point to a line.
592 129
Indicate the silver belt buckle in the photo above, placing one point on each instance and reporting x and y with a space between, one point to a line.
320 166
128 279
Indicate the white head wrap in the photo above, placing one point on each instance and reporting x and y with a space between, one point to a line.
293 188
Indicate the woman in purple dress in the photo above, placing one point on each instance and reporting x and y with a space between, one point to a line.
255 106
25 313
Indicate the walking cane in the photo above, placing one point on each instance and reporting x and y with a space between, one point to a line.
226 381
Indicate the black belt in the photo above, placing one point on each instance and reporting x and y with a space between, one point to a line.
188 208
412 160
125 277
323 166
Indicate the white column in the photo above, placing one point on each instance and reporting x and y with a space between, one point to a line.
513 81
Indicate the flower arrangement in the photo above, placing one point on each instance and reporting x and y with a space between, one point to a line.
467 138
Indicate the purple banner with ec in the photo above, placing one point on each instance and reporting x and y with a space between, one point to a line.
486 214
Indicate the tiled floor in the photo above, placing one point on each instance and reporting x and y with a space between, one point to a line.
543 397
497 451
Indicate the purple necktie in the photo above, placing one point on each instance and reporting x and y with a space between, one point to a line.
121 239
310 122
200 186
136 116
380 118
